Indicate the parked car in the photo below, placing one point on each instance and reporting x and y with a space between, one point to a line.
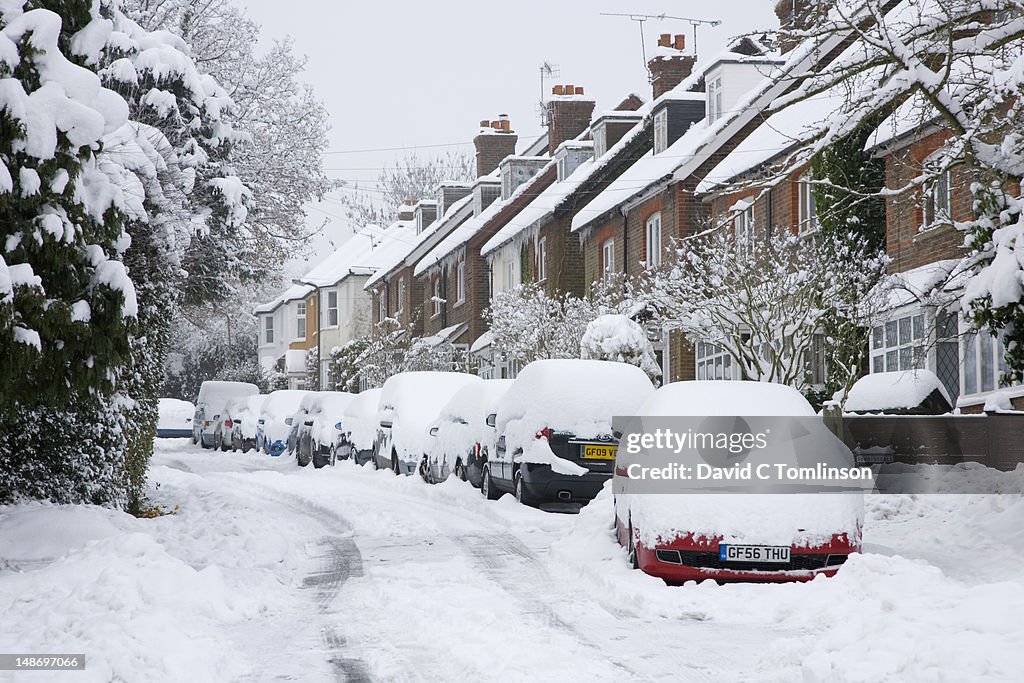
409 405
462 437
213 395
297 420
244 415
783 536
318 433
275 423
555 447
359 427
174 418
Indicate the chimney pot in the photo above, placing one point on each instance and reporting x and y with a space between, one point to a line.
570 89
506 125
485 124
579 89
496 125
665 40
557 90
680 43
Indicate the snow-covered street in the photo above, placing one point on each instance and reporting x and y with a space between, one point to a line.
272 572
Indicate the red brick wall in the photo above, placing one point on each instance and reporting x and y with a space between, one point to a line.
568 117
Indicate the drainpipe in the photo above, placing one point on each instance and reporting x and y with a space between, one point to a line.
319 315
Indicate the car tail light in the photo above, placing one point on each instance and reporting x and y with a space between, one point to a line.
478 450
206 423
228 423
544 434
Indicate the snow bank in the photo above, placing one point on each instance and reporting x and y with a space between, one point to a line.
360 419
412 401
893 390
175 414
578 396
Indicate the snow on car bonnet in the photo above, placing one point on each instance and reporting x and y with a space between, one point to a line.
578 396
412 400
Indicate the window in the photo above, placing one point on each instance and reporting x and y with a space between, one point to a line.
660 131
807 208
938 200
984 362
460 282
300 318
653 234
332 308
542 257
899 345
814 361
382 307
268 329
714 99
600 136
744 226
510 273
437 296
714 362
608 260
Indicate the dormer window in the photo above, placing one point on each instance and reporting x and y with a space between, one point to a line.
517 170
714 99
600 136
661 131
570 156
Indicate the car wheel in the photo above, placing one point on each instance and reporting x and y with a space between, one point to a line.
334 456
487 486
424 470
195 438
394 463
319 461
299 460
216 441
460 470
225 446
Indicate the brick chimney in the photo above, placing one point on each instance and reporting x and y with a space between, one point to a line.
569 111
671 63
495 141
798 15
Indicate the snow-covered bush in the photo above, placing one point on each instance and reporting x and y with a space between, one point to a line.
616 337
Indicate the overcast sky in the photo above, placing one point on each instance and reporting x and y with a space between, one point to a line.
420 75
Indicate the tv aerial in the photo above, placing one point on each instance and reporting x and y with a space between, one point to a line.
547 71
641 18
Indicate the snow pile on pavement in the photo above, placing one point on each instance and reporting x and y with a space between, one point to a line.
893 390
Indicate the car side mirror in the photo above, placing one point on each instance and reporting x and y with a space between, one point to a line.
386 424
188 419
216 417
492 419
433 431
337 425
287 420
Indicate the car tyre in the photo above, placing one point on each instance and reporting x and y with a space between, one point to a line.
299 460
394 463
216 441
633 561
460 470
424 470
334 456
487 485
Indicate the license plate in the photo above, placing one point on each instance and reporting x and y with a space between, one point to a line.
594 452
754 553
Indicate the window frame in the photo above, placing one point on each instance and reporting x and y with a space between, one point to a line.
300 320
661 131
268 329
608 259
807 207
908 353
333 310
436 298
714 91
402 295
932 214
652 240
460 282
743 231
542 255
715 357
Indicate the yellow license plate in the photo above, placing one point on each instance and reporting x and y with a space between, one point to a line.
599 452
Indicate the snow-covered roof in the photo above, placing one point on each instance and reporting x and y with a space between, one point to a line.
482 342
893 391
545 204
292 293
447 334
456 213
462 233
934 283
363 253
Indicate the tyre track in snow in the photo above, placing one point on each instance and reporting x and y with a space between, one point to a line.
339 560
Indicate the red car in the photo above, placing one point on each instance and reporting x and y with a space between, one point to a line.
736 536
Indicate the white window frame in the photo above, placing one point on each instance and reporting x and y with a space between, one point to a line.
900 343
981 361
268 329
333 314
460 282
938 201
510 274
608 259
402 293
652 234
300 320
382 308
807 207
661 131
743 228
714 99
542 257
600 136
437 296
714 362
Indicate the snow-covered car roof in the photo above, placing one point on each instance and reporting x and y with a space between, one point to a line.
578 396
283 403
725 397
215 394
332 402
473 403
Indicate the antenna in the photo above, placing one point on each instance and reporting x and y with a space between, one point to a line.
547 70
641 18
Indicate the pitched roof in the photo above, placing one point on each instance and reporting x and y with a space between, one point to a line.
362 254
290 294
